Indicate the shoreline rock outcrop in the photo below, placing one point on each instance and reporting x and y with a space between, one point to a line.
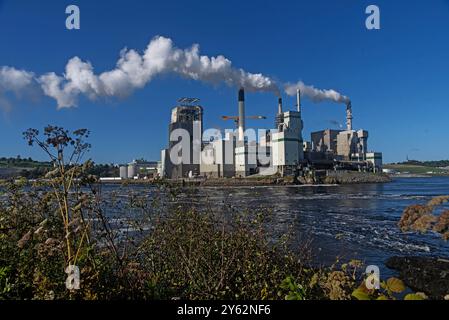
332 178
423 274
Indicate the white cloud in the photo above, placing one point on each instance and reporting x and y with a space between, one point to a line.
15 80
19 82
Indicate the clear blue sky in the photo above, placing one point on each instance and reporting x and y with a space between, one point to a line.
397 78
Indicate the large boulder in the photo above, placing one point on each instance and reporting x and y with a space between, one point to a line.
422 274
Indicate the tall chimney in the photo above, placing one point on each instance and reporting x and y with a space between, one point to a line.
298 100
349 116
241 115
280 106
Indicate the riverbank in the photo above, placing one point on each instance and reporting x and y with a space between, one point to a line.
422 274
318 178
353 177
331 178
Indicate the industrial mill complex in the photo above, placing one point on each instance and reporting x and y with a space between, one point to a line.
281 151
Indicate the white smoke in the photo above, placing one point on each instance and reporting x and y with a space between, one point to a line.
134 71
314 94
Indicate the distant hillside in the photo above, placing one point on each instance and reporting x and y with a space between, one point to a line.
22 163
22 167
420 167
434 164
31 169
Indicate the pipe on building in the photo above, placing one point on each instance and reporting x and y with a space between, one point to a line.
280 106
298 100
349 116
241 115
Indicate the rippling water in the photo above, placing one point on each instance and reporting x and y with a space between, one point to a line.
351 221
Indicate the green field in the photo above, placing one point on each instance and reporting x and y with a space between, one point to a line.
416 169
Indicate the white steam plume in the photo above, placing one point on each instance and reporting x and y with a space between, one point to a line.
314 94
134 71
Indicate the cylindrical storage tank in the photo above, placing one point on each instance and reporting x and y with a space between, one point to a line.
124 172
131 171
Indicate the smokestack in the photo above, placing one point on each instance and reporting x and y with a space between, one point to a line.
280 106
349 116
298 100
241 114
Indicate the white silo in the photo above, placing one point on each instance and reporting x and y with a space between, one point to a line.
123 172
131 170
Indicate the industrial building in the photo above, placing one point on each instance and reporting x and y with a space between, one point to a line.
347 147
245 151
184 162
284 147
287 142
375 158
139 169
339 144
221 153
324 141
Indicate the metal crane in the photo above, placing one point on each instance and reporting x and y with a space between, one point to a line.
236 118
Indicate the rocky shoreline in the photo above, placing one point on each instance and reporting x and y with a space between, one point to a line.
423 274
352 177
331 178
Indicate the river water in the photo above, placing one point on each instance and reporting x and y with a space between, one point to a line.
350 221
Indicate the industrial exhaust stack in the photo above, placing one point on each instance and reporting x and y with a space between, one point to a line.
298 100
279 117
241 115
349 116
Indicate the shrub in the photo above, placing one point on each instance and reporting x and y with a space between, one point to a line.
420 218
